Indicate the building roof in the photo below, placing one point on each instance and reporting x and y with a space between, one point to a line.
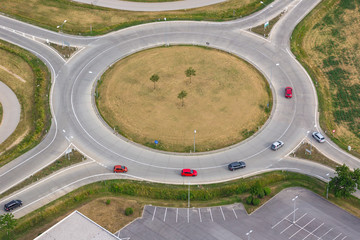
77 226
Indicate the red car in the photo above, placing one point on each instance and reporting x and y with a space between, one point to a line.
288 92
188 173
120 169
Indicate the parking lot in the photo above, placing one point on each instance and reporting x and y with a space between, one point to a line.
315 218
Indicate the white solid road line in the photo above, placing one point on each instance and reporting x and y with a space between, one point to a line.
153 214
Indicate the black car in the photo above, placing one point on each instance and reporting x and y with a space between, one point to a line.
12 205
236 165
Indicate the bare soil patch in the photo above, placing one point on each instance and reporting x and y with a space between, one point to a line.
226 101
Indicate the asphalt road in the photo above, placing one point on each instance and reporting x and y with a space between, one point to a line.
76 124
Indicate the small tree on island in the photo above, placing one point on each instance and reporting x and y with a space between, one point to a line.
190 72
154 78
181 96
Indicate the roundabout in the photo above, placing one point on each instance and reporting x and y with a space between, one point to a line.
77 124
226 101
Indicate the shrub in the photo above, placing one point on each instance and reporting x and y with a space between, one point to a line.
256 189
256 201
249 200
267 191
261 194
107 202
129 211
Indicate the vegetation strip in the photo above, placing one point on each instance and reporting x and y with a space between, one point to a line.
326 45
176 196
36 117
92 20
63 162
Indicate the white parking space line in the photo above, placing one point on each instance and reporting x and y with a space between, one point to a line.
177 213
312 233
234 213
222 213
211 215
165 214
344 238
283 219
325 233
301 217
153 214
286 228
302 228
337 236
200 215
188 215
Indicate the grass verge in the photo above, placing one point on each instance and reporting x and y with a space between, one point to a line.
172 196
92 20
225 105
64 51
327 46
63 162
315 155
33 95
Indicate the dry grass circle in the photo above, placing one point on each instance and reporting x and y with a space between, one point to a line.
226 101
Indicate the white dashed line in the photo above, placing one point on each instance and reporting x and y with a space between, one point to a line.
222 213
153 214
200 215
165 214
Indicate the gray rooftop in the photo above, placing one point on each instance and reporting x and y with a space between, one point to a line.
77 226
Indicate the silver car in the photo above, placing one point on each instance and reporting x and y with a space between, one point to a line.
276 145
318 137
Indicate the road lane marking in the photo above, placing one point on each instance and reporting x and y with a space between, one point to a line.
312 233
222 213
165 214
200 215
301 228
153 214
234 213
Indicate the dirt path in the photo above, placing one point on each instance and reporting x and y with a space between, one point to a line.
10 72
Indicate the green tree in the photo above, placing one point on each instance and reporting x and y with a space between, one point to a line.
257 190
181 96
190 72
344 184
154 78
7 222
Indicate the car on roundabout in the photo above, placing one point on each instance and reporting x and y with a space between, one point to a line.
120 169
236 165
288 92
12 205
276 145
318 137
186 172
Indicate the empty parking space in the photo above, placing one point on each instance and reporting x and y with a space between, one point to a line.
313 218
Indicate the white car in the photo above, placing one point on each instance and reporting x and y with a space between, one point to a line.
319 137
276 145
